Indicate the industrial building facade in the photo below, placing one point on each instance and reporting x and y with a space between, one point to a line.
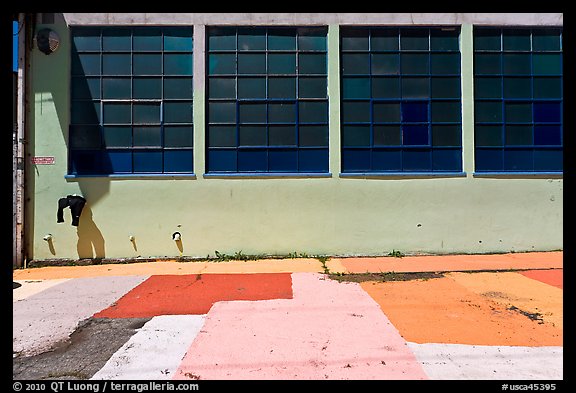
274 134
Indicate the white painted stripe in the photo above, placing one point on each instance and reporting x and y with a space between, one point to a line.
32 287
155 351
460 361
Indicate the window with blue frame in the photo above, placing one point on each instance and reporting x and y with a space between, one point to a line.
400 100
267 100
518 99
131 100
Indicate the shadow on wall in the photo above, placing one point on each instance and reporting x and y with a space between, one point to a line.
91 243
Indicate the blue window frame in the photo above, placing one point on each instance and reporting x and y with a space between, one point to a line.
401 100
518 99
131 100
267 100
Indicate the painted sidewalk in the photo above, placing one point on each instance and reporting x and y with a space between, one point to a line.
253 322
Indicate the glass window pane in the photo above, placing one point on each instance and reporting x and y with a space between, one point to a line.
147 161
147 88
488 111
516 63
251 38
222 88
178 39
251 87
547 112
518 135
414 39
518 112
384 40
445 63
177 136
487 39
415 134
222 112
116 161
85 137
487 64
178 64
489 160
385 87
548 135
449 111
85 88
314 87
119 113
282 112
314 63
355 135
313 112
222 160
281 87
283 160
447 159
282 63
146 39
415 112
281 135
356 111
547 64
519 160
516 39
85 64
446 135
147 64
386 112
221 38
387 160
282 39
312 39
178 112
116 88
147 136
415 87
517 87
488 135
546 40
313 160
445 87
146 113
251 63
355 87
221 64
178 161
387 135
85 112
252 136
415 63
354 160
252 160
117 136
486 87
116 64
86 39
116 39
548 160
355 63
385 64
547 87
178 87
222 136
416 160
252 113
444 39
313 135
354 39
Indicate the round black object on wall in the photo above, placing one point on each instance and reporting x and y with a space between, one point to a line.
47 41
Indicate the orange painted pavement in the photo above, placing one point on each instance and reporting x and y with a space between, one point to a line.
442 311
195 294
550 277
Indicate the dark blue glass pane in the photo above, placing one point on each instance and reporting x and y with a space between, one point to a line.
355 87
117 113
313 136
353 63
282 63
445 88
548 135
146 113
282 39
116 39
85 162
149 161
252 160
222 87
447 160
281 87
313 160
547 112
251 38
221 38
222 136
313 112
489 160
354 160
515 87
487 39
487 87
384 39
547 87
386 160
490 111
449 111
518 112
86 39
118 136
516 64
147 64
221 64
281 135
355 135
546 39
177 87
252 113
519 134
385 64
386 87
222 161
415 135
354 39
85 88
251 87
147 88
85 137
312 63
487 64
314 87
547 64
386 135
118 161
252 136
178 136
356 111
516 39
312 39
414 39
416 160
548 160
147 39
116 64
415 87
178 64
85 112
222 112
178 39
282 112
414 112
488 135
178 161
446 135
252 63
445 40
85 64
415 63
281 160
518 160
386 112
116 88
147 136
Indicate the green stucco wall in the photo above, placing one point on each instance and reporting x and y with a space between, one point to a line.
266 215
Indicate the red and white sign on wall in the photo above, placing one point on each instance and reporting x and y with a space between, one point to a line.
43 160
